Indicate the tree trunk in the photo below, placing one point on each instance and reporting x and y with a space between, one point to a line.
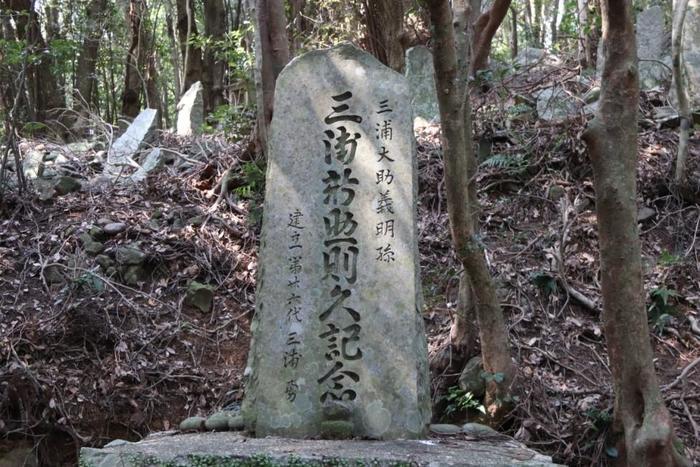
681 95
384 20
135 61
584 36
174 54
514 33
42 86
191 54
85 73
273 56
459 157
214 67
484 30
640 418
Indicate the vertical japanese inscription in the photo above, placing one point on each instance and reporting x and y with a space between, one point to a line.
384 229
340 322
295 249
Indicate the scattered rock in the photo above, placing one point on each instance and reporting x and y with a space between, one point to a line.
591 95
97 233
33 164
478 430
555 104
199 295
134 274
444 429
53 275
130 255
531 56
217 422
470 380
236 423
114 228
90 245
153 161
192 424
66 184
666 117
645 213
104 261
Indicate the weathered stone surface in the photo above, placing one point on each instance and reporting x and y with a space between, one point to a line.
33 164
65 185
531 57
470 379
228 448
192 424
199 295
420 74
691 53
153 161
130 254
445 429
555 104
338 303
114 228
477 430
190 111
218 421
653 48
120 155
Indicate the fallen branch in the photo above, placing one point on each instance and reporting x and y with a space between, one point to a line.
683 374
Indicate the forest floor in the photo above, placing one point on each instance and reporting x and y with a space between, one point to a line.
87 358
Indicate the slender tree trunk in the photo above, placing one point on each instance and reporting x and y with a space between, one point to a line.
191 54
584 36
85 75
484 30
214 68
514 32
683 108
174 55
384 20
273 56
459 156
640 417
135 61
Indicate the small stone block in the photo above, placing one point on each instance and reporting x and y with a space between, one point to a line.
192 424
445 429
336 429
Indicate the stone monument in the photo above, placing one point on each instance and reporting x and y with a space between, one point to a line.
421 78
338 345
190 111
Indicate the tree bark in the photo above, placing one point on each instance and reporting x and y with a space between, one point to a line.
214 67
191 54
85 73
585 59
640 418
42 86
274 55
484 30
683 107
384 20
458 159
514 33
135 61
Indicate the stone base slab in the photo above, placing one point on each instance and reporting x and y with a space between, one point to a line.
228 449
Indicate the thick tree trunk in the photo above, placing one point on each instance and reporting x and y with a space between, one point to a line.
683 108
42 86
214 67
274 55
135 61
459 157
384 20
484 30
191 54
640 416
85 73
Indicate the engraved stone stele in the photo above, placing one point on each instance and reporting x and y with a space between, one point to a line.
421 78
338 343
